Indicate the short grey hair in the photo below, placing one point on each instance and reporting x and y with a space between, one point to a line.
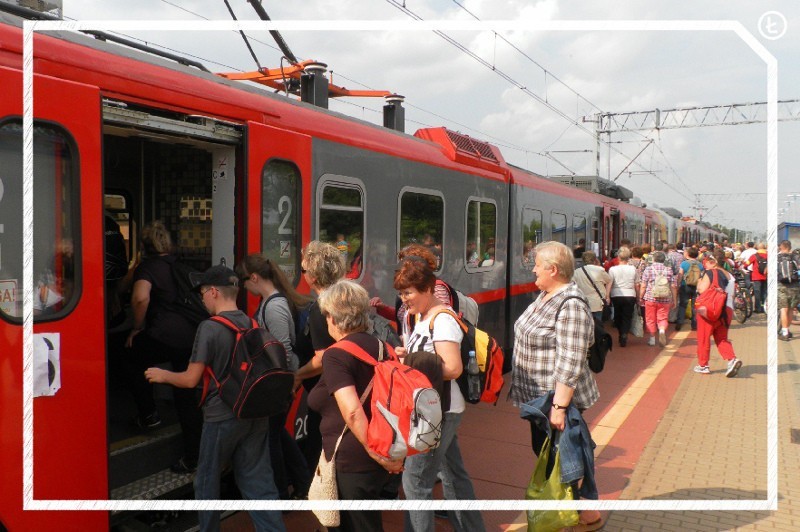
552 253
324 262
624 253
659 256
347 303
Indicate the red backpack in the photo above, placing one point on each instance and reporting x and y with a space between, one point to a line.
256 381
710 305
406 411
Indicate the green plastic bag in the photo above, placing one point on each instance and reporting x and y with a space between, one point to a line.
543 489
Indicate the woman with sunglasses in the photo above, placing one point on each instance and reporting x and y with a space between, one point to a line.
415 282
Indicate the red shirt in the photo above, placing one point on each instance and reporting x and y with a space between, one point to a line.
756 276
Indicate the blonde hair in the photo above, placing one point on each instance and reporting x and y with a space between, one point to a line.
552 253
156 239
624 254
324 262
347 303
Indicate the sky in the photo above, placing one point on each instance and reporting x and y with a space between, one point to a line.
717 172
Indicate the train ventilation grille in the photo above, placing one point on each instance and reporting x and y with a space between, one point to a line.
471 146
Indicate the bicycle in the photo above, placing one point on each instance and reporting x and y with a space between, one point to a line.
742 298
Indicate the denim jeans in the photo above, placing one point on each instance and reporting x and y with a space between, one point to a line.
419 478
242 443
687 294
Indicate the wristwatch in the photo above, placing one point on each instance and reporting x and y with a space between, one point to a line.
559 407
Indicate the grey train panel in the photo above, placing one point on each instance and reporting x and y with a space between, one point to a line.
384 177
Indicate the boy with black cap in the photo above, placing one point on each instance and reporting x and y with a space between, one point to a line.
226 439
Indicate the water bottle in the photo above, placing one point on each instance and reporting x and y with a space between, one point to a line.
473 378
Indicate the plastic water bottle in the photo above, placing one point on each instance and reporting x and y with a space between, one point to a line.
473 378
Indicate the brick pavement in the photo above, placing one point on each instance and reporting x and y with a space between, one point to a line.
711 443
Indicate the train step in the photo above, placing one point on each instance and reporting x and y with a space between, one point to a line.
140 456
157 485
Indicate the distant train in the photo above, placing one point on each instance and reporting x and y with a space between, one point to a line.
232 170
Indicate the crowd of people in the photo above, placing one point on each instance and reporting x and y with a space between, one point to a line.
550 381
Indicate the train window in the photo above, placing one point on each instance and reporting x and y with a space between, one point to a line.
481 234
281 209
558 225
422 221
341 222
595 233
579 231
56 253
531 234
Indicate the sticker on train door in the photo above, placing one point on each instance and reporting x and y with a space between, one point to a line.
286 249
46 364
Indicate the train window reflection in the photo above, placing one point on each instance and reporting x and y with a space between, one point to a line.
481 234
280 216
558 224
422 221
56 250
341 222
531 234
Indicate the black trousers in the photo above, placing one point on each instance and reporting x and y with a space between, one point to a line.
361 486
624 307
147 352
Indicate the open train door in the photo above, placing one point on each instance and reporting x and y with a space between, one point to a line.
611 230
69 407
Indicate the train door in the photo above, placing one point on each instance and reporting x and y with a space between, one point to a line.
611 230
181 170
69 408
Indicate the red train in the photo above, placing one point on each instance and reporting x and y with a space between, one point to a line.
233 170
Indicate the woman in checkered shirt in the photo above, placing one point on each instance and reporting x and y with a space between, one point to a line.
551 340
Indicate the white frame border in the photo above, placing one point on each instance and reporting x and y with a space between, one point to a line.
29 27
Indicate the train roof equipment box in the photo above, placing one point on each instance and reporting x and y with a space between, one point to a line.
789 231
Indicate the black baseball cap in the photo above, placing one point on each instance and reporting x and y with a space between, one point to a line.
218 275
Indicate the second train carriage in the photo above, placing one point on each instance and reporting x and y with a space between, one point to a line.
231 170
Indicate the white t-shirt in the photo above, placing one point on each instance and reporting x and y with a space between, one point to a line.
445 329
746 254
624 277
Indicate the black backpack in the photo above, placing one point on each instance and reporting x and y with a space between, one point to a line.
302 345
602 340
761 264
256 381
787 267
188 301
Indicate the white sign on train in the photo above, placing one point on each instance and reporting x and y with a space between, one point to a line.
8 296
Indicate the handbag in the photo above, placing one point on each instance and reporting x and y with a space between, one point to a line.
606 305
637 326
543 488
323 486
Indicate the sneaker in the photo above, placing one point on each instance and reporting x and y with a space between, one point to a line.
652 341
733 367
702 369
183 466
678 326
662 339
784 337
623 341
440 514
148 422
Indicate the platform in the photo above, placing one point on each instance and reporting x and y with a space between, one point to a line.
663 432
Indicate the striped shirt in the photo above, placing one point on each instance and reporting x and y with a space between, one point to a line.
550 346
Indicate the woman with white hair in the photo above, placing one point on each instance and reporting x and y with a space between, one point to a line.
551 341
